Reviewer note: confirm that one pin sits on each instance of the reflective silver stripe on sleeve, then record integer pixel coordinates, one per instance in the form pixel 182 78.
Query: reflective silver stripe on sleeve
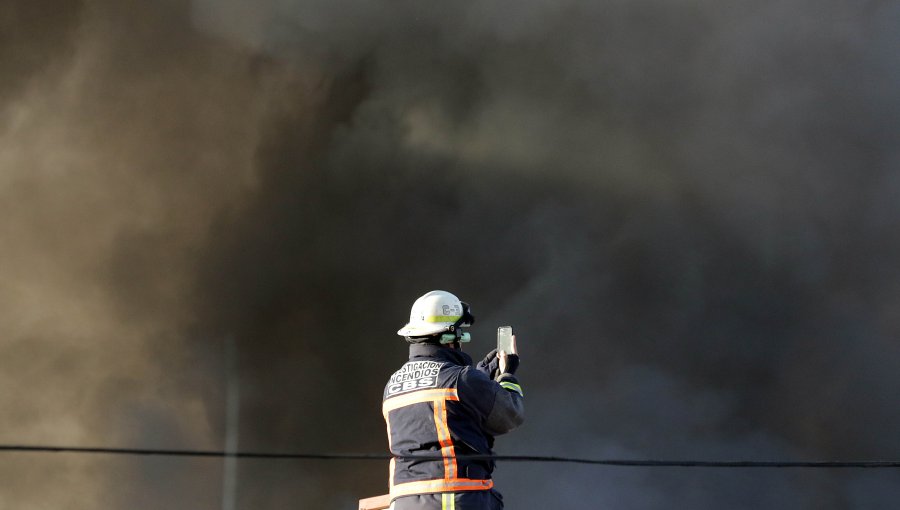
pixel 511 386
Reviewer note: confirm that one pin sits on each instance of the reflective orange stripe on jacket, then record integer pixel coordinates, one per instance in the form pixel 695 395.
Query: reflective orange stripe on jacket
pixel 440 485
pixel 418 397
pixel 438 398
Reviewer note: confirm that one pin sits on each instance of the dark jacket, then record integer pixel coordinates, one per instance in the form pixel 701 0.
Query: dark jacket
pixel 437 404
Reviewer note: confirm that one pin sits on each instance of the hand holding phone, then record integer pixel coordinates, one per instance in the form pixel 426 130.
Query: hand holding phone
pixel 506 341
pixel 506 346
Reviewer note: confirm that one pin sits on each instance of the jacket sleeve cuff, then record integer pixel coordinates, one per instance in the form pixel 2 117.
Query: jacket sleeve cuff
pixel 510 383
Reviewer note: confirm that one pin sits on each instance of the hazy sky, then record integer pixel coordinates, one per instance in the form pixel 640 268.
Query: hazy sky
pixel 689 212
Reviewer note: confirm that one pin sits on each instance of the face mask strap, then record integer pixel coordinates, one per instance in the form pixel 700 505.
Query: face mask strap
pixel 449 338
pixel 455 333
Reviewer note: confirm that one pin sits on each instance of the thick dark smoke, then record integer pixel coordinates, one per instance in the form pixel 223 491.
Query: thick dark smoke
pixel 124 131
pixel 688 212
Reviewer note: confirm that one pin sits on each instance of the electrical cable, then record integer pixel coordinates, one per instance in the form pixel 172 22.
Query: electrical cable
pixel 510 458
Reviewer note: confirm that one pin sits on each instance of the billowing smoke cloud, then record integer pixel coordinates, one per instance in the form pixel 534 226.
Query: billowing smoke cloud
pixel 685 211
pixel 123 133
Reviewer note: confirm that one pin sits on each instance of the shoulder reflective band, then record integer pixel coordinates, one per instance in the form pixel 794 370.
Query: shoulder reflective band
pixel 511 386
pixel 418 397
pixel 440 485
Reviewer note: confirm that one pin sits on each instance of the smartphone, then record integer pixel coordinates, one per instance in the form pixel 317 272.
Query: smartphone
pixel 506 342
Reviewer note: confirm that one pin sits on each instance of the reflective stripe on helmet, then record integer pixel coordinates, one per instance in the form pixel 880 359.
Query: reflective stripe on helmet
pixel 442 318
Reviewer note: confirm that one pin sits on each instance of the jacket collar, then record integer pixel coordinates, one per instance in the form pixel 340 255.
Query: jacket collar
pixel 440 353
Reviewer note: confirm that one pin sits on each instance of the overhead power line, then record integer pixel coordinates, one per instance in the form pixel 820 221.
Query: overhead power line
pixel 505 458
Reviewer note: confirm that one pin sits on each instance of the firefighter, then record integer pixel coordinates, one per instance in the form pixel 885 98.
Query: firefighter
pixel 439 405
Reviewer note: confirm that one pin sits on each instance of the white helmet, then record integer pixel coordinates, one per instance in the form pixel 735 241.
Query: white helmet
pixel 436 312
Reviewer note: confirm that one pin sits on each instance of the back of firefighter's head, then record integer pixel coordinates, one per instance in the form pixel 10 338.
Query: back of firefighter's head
pixel 438 317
